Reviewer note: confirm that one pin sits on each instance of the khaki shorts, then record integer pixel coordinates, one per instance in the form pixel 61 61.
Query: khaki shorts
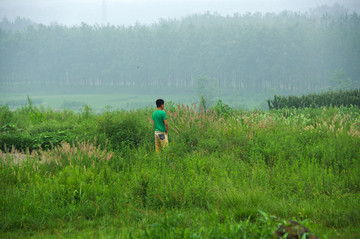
pixel 161 140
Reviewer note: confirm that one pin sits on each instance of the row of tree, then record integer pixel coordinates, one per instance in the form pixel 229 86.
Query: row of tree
pixel 325 99
pixel 285 52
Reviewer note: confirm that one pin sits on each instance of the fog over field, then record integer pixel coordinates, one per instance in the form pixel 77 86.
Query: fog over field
pixel 125 53
pixel 126 12
pixel 257 134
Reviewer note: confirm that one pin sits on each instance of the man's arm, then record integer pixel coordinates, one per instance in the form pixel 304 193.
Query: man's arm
pixel 166 126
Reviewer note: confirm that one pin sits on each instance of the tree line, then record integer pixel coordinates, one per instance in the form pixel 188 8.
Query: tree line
pixel 326 99
pixel 284 52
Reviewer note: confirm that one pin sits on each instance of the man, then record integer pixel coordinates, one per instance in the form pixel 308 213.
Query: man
pixel 161 125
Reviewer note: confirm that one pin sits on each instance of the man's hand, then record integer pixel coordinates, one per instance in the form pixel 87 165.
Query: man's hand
pixel 166 127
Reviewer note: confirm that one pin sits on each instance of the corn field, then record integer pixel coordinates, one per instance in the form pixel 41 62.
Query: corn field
pixel 327 99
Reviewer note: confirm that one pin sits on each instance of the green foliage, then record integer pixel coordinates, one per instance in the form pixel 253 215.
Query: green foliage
pixel 328 99
pixel 32 128
pixel 24 141
pixel 124 129
pixel 220 169
pixel 223 109
pixel 6 116
pixel 206 88
pixel 245 53
pixel 87 112
pixel 17 140
pixel 203 103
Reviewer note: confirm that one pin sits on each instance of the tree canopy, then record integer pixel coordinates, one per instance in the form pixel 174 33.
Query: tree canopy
pixel 285 52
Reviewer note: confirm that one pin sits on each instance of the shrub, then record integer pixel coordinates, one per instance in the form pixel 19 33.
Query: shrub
pixel 124 129
pixel 6 116
pixel 17 140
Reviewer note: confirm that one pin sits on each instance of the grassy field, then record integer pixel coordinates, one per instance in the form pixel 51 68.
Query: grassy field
pixel 226 173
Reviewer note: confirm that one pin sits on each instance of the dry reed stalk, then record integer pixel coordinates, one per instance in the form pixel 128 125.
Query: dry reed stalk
pixel 14 156
pixel 354 130
pixel 77 151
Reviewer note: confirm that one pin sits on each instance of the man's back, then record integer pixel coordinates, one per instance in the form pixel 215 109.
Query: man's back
pixel 159 116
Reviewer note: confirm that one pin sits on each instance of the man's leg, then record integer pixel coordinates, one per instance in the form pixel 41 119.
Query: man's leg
pixel 157 143
pixel 164 142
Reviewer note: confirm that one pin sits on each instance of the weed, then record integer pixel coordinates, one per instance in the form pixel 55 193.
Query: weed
pixel 221 167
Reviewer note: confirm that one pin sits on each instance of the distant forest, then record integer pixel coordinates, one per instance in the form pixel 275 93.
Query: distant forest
pixel 285 52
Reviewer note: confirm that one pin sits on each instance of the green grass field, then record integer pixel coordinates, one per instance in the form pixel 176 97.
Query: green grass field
pixel 226 173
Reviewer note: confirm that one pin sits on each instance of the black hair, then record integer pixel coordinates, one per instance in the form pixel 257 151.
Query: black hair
pixel 159 102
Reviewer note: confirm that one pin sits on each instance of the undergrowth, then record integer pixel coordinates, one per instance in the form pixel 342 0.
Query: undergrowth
pixel 225 174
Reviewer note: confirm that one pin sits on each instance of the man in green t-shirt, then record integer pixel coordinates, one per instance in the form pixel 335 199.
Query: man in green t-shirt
pixel 161 125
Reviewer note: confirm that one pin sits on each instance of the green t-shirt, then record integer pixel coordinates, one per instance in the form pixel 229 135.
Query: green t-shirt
pixel 158 117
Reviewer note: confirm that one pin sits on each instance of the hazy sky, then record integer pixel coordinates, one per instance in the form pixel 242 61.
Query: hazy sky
pixel 125 12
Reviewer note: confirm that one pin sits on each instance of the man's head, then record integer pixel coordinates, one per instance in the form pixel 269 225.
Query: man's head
pixel 160 103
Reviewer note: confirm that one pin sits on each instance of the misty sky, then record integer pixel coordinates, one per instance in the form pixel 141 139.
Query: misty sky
pixel 125 12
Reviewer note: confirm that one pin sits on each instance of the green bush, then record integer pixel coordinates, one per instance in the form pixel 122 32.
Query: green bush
pixel 124 129
pixel 24 141
pixel 18 140
pixel 6 115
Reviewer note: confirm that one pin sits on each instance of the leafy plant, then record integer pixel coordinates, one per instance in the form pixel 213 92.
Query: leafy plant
pixel 328 99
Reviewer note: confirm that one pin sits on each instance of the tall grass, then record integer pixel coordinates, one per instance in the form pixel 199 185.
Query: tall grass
pixel 220 170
